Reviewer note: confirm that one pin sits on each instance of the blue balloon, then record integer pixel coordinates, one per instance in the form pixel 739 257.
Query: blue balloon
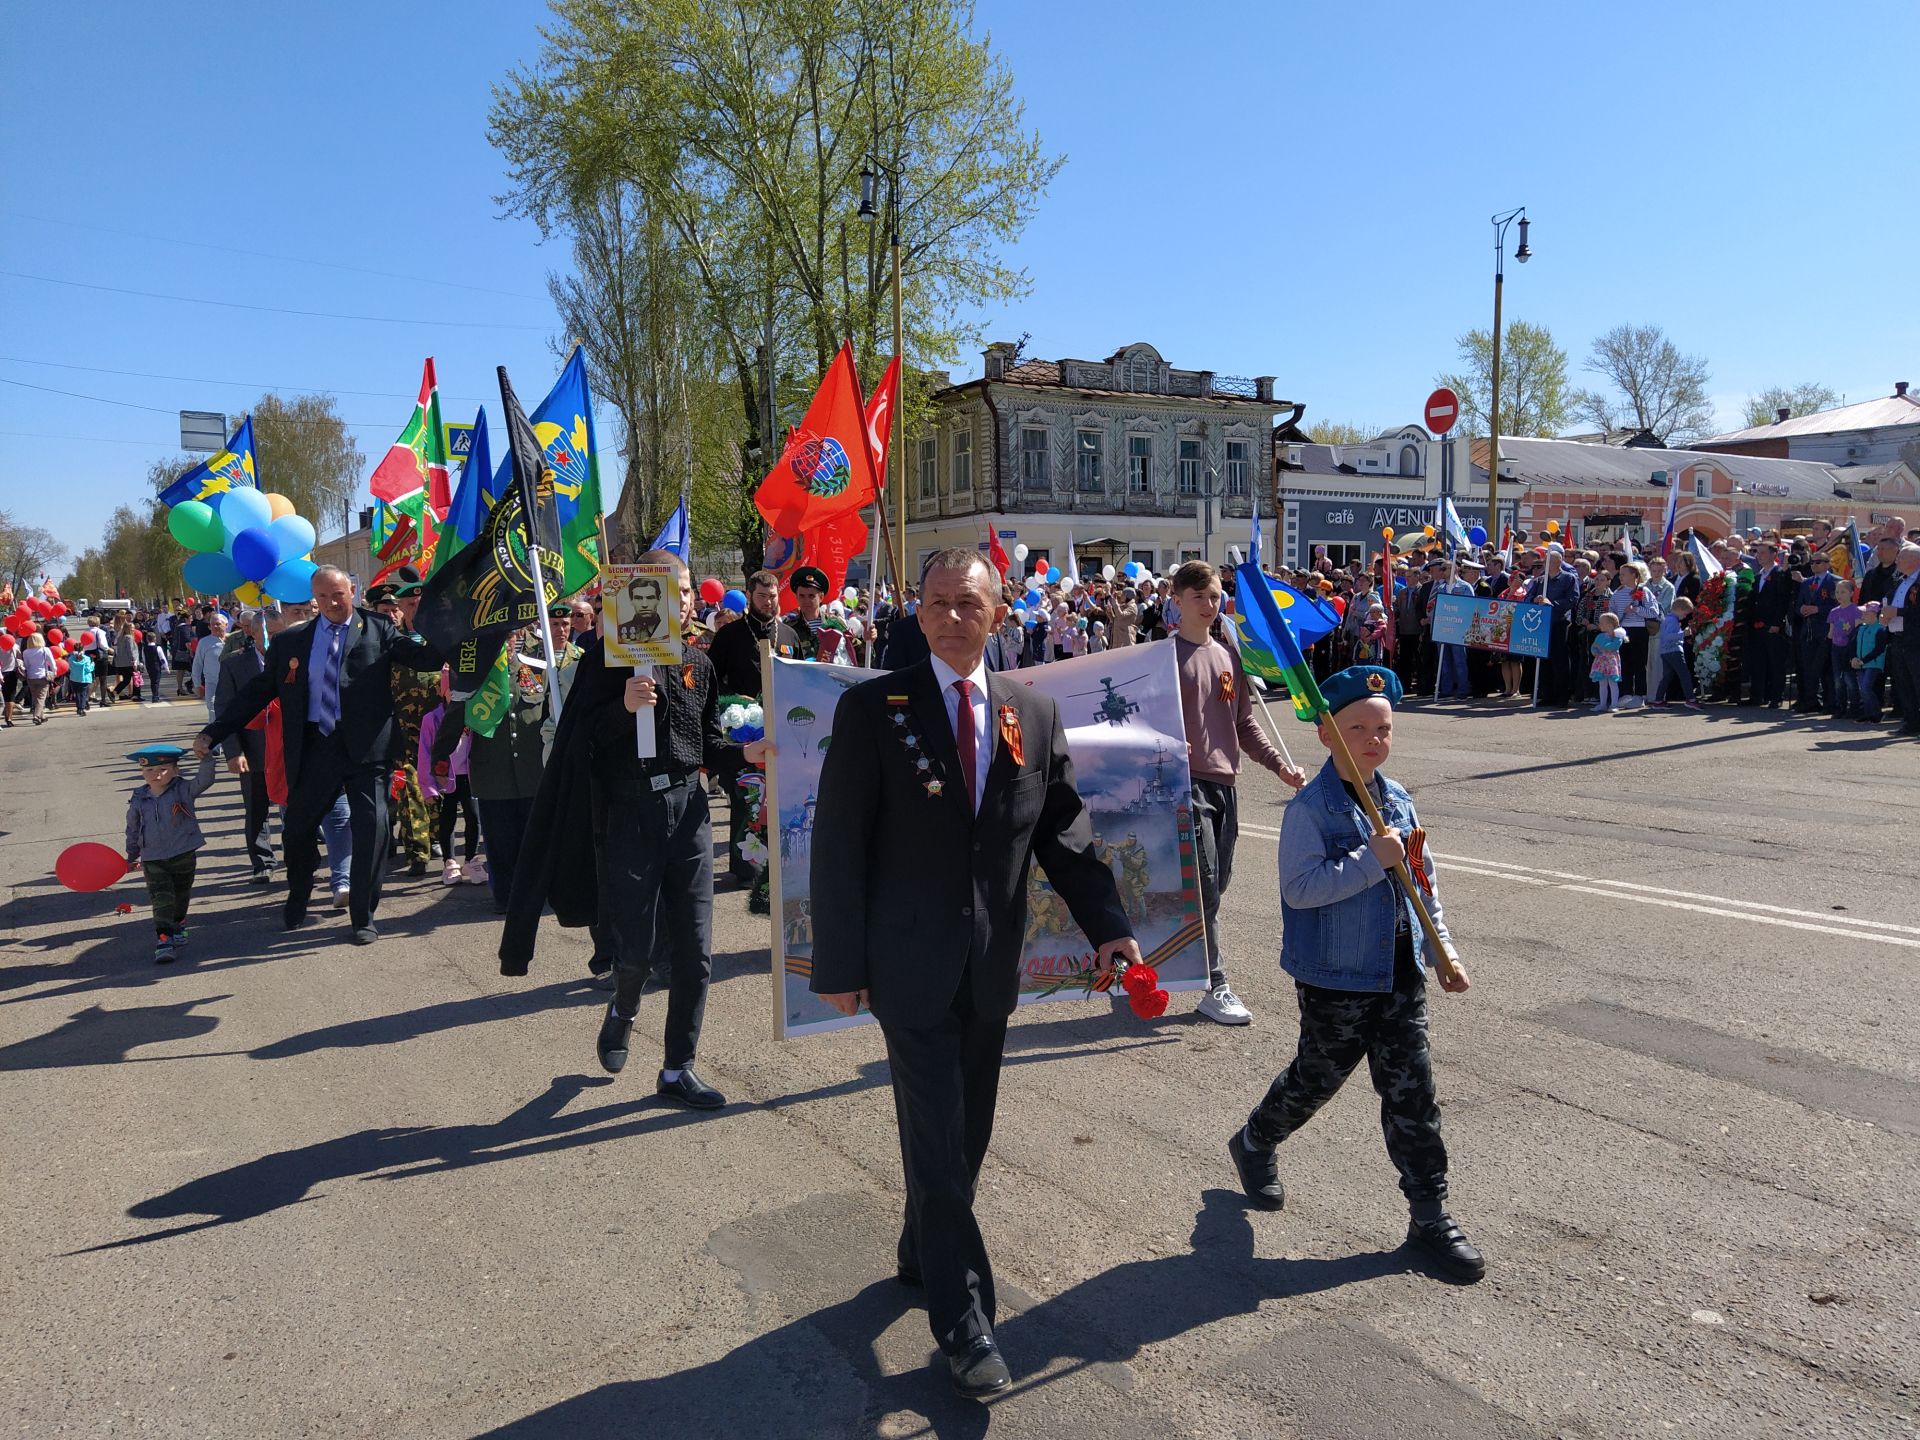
pixel 1131 569
pixel 1019 610
pixel 1028 623
pixel 292 537
pixel 210 573
pixel 254 553
pixel 1477 535
pixel 292 582
pixel 243 509
pixel 734 600
pixel 1053 574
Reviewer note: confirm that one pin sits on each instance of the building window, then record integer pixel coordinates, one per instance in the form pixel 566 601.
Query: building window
pixel 929 470
pixel 1409 460
pixel 1703 484
pixel 1342 553
pixel 1189 467
pixel 962 448
pixel 1139 464
pixel 1142 373
pixel 1087 456
pixel 1033 460
pixel 1238 466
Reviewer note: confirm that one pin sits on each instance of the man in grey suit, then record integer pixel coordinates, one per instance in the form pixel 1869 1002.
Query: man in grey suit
pixel 942 787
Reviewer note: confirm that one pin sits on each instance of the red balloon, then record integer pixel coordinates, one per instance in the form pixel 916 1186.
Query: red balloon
pixel 56 636
pixel 89 866
pixel 59 607
pixel 138 638
pixel 60 668
pixel 6 641
pixel 712 591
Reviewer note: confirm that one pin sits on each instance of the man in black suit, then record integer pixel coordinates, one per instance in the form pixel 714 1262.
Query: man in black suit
pixel 246 749
pixel 333 677
pixel 1763 642
pixel 942 786
pixel 1556 586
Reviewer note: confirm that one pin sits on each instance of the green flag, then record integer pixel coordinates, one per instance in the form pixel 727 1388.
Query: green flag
pixel 563 426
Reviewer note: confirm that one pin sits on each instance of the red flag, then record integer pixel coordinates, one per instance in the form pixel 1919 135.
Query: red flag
pixel 996 553
pixel 880 405
pixel 827 467
pixel 830 547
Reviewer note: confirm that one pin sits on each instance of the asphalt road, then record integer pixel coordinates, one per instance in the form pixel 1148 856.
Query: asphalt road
pixel 291 1187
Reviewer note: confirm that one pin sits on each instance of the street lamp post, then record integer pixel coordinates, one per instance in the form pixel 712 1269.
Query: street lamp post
pixel 1522 254
pixel 895 465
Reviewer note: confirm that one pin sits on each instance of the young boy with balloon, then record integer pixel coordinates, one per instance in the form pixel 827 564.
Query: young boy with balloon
pixel 164 839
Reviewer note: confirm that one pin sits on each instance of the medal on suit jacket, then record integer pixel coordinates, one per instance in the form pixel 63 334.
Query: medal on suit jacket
pixel 910 741
pixel 1010 739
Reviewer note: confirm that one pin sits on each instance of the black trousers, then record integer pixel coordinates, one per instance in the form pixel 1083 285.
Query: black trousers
pixel 1216 831
pixel 1903 668
pixel 1763 655
pixel 1633 661
pixel 253 790
pixel 946 1082
pixel 1816 669
pixel 1338 1029
pixel 656 872
pixel 502 824
pixel 326 771
pixel 452 808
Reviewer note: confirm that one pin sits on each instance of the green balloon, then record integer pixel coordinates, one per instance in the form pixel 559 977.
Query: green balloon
pixel 194 524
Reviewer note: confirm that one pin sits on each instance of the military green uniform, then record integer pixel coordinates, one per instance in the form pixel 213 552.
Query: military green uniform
pixel 415 694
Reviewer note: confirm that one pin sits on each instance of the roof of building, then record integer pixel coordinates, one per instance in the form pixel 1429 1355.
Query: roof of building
pixel 1867 415
pixel 1047 375
pixel 1574 465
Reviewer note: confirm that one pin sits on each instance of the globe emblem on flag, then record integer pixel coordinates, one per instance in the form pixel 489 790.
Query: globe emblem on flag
pixel 822 466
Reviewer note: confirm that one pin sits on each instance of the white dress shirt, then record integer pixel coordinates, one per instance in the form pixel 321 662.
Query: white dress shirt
pixel 945 675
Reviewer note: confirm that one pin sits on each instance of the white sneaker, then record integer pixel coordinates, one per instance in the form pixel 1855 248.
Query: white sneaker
pixel 474 872
pixel 451 874
pixel 1632 702
pixel 342 899
pixel 1221 1005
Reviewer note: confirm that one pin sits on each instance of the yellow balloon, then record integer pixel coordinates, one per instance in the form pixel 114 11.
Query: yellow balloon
pixel 1553 527
pixel 279 504
pixel 1427 530
pixel 1386 532
pixel 247 592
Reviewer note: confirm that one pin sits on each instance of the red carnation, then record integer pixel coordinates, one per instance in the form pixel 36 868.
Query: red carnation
pixel 1139 980
pixel 1150 1005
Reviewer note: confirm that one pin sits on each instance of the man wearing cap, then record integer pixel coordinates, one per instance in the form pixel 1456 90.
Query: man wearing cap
pixel 333 678
pixel 1556 586
pixel 809 586
pixel 1352 942
pixel 415 694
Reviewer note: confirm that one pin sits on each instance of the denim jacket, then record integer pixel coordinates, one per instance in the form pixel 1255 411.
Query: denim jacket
pixel 1337 902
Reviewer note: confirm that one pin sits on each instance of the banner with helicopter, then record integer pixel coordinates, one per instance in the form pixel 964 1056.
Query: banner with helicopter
pixel 1129 749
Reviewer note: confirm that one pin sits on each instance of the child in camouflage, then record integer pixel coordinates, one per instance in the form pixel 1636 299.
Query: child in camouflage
pixel 163 838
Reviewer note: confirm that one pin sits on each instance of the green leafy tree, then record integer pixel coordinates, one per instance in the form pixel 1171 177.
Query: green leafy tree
pixel 1653 386
pixel 726 142
pixel 304 451
pixel 1533 382
pixel 1343 432
pixel 1803 399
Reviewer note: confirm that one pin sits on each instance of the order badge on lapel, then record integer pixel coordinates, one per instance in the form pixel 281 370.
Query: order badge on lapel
pixel 1010 734
pixel 910 742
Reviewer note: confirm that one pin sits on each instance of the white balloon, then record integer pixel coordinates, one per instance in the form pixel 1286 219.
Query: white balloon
pixel 1106 572
pixel 1019 552
pixel 850 595
pixel 1068 584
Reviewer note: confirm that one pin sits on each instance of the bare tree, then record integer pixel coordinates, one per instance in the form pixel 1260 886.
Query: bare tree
pixel 1807 398
pixel 25 553
pixel 1343 432
pixel 1655 387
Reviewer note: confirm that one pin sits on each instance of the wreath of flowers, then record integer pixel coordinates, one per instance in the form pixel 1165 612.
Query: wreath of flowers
pixel 1713 622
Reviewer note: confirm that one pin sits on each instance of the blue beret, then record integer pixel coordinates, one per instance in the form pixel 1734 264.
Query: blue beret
pixel 1360 682
pixel 156 754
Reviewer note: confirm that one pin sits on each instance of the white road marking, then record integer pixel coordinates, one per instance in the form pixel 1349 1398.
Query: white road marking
pixel 1717 905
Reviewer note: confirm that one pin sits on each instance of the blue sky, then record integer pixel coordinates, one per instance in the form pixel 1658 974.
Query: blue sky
pixel 1299 190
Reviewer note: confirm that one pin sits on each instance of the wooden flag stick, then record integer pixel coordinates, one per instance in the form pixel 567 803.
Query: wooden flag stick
pixel 1260 694
pixel 1343 760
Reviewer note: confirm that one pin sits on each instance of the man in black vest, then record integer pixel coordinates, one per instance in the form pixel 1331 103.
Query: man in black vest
pixel 333 677
pixel 942 786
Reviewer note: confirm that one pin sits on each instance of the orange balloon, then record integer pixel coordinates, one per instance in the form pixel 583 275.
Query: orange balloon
pixel 1553 527
pixel 279 504
pixel 1427 530
pixel 1386 532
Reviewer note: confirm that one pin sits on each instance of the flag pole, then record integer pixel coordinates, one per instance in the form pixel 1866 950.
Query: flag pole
pixel 1260 694
pixel 1343 761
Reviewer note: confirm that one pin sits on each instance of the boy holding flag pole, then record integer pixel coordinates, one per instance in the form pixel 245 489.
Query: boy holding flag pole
pixel 1362 925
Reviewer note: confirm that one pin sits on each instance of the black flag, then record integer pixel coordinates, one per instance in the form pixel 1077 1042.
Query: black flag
pixel 486 592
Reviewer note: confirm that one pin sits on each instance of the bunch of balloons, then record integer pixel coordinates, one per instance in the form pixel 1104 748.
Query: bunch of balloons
pixel 246 542
pixel 32 615
pixel 715 592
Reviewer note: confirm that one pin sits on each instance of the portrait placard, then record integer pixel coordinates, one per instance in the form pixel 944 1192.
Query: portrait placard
pixel 643 614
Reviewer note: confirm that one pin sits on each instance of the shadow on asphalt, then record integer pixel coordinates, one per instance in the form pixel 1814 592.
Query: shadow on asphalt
pixel 98 1036
pixel 823 1375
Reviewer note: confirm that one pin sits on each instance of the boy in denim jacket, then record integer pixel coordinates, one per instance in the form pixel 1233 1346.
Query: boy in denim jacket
pixel 1356 952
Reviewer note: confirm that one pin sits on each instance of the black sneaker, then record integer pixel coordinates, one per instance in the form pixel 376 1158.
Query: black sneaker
pixel 612 1042
pixel 1446 1244
pixel 690 1090
pixel 1259 1172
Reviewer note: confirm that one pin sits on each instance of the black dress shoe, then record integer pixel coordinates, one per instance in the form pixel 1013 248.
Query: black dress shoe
pixel 294 913
pixel 612 1044
pixel 690 1090
pixel 365 934
pixel 1259 1172
pixel 978 1370
pixel 1447 1244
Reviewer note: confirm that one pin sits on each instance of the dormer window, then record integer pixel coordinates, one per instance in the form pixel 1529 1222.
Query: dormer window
pixel 1142 373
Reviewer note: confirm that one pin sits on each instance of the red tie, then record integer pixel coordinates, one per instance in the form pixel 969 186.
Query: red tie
pixel 963 735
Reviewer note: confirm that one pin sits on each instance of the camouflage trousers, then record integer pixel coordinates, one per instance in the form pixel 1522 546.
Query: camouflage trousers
pixel 1337 1029
pixel 415 817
